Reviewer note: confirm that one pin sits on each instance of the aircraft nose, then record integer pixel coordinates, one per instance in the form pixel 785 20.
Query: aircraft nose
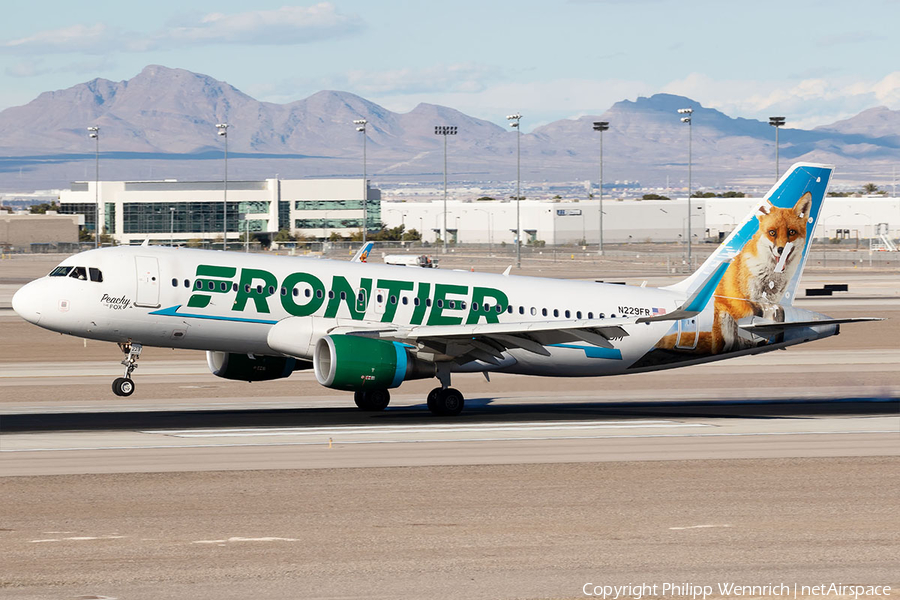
pixel 27 303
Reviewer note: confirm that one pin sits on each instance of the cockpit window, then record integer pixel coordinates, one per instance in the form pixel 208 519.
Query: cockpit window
pixel 60 271
pixel 79 273
pixel 95 274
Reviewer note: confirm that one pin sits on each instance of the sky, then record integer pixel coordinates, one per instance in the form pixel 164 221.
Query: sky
pixel 812 61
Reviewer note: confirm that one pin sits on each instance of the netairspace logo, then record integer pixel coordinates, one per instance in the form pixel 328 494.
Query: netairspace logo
pixel 725 590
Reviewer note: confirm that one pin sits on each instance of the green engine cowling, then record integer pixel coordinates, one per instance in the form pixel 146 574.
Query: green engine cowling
pixel 245 367
pixel 353 363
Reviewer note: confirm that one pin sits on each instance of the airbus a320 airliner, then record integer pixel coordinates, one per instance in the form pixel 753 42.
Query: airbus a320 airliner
pixel 367 328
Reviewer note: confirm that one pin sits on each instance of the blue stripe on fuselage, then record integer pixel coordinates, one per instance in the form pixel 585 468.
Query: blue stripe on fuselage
pixel 172 311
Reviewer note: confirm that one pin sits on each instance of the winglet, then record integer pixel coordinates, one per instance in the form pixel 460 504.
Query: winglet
pixel 363 253
pixel 506 272
pixel 697 301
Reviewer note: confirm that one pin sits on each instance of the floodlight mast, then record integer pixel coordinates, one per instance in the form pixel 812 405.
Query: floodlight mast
pixel 223 132
pixel 688 119
pixel 601 126
pixel 361 127
pixel 95 135
pixel 445 130
pixel 776 122
pixel 514 123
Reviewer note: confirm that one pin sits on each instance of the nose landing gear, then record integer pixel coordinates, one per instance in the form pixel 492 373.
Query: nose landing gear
pixel 124 386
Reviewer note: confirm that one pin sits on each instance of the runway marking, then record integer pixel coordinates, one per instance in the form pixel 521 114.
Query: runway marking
pixel 698 527
pixel 451 440
pixel 243 539
pixel 78 539
pixel 404 429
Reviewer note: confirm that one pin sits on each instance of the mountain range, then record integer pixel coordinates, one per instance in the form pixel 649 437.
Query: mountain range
pixel 161 124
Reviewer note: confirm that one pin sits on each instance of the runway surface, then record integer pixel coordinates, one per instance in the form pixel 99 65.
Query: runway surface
pixel 759 470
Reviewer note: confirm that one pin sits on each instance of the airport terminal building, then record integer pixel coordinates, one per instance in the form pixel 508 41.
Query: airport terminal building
pixel 185 211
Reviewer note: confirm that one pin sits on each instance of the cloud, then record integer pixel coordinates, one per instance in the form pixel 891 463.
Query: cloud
pixel 283 26
pixel 288 25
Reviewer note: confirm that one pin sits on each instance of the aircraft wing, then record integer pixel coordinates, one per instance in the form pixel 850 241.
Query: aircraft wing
pixel 488 341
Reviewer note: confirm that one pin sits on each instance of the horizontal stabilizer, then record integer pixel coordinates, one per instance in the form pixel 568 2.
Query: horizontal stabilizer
pixel 766 328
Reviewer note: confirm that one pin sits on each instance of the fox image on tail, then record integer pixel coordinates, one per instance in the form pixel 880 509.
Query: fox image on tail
pixel 757 278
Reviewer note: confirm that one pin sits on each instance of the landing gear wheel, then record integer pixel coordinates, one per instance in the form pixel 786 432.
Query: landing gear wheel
pixel 122 386
pixel 432 399
pixel 372 400
pixel 447 402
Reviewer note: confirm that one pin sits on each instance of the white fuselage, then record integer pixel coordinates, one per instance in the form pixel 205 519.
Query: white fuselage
pixel 228 302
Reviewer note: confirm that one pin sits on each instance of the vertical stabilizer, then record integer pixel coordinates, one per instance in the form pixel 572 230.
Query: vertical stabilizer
pixel 766 252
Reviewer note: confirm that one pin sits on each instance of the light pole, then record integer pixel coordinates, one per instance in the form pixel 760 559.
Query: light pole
pixel 514 123
pixel 776 122
pixel 223 131
pixel 361 127
pixel 95 134
pixel 445 130
pixel 688 119
pixel 601 126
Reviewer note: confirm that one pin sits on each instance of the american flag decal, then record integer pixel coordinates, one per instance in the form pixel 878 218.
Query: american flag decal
pixel 659 311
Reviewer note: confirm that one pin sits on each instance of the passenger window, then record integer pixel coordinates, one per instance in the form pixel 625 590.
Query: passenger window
pixel 544 312
pixel 393 299
pixel 343 295
pixel 307 292
pixel 259 289
pixel 379 298
pixel 405 300
pixel 211 285
pixel 475 306
pixel 499 309
pixel 509 309
pixel 174 283
pixel 568 314
pixel 223 286
pixel 319 293
pixel 601 316
pixel 590 315
pixel 612 316
pixel 415 301
pixel 283 291
pixel 198 284
pixel 555 312
pixel 60 271
pixel 533 311
pixel 79 273
pixel 440 304
pixel 428 302
pixel 234 287
pixel 187 283
pixel 295 292
pixel 331 294
pixel 521 310
pixel 578 315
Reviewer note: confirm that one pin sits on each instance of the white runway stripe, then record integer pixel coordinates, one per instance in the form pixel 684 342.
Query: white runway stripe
pixel 453 440
pixel 408 429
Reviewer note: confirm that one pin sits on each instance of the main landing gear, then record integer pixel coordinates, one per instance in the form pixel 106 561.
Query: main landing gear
pixel 445 402
pixel 372 400
pixel 124 386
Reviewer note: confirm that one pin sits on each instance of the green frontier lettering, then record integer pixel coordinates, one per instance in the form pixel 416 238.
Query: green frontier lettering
pixel 248 291
pixel 491 312
pixel 220 285
pixel 316 298
pixel 341 287
pixel 422 298
pixel 436 316
pixel 393 290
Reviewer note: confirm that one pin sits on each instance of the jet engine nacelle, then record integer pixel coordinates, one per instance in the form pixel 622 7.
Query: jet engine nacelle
pixel 353 363
pixel 247 367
